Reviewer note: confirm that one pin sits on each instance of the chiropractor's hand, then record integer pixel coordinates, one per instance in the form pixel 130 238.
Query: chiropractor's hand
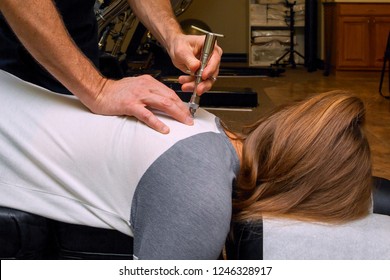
pixel 135 96
pixel 185 51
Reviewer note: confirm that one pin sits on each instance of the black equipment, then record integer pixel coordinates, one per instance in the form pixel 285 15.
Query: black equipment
pixel 291 51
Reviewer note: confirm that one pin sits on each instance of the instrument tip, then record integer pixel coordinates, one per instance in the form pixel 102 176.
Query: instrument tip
pixel 192 111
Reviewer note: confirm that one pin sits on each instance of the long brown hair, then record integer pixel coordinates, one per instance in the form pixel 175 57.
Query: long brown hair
pixel 308 161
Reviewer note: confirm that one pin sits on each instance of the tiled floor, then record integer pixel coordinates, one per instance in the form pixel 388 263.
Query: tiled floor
pixel 295 84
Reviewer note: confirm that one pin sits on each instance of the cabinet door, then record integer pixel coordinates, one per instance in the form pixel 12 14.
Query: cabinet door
pixel 354 42
pixel 381 29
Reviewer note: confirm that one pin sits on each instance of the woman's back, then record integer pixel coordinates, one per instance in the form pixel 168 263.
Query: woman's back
pixel 61 161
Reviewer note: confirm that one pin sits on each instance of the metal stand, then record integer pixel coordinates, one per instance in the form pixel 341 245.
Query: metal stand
pixel 291 51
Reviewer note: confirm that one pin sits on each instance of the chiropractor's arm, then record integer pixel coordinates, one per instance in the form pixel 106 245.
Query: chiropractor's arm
pixel 44 35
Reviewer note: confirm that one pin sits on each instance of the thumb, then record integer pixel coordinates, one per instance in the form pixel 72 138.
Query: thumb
pixel 192 64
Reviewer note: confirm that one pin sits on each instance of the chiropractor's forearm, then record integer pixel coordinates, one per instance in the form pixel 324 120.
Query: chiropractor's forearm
pixel 41 30
pixel 158 17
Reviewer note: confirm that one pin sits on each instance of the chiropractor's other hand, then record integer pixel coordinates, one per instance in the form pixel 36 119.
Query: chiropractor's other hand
pixel 185 51
pixel 135 96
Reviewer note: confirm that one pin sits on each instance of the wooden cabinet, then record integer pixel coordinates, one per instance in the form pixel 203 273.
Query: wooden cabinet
pixel 356 35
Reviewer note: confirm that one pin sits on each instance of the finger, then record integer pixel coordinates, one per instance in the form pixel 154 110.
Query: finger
pixel 204 86
pixel 188 84
pixel 186 79
pixel 171 95
pixel 165 95
pixel 165 99
pixel 192 65
pixel 177 110
pixel 212 67
pixel 191 79
pixel 189 63
pixel 213 79
pixel 150 119
pixel 188 87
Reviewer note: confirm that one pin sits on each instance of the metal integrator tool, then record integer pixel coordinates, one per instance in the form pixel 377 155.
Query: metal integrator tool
pixel 207 51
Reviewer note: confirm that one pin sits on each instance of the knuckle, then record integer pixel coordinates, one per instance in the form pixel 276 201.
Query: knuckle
pixel 146 116
pixel 167 102
pixel 152 121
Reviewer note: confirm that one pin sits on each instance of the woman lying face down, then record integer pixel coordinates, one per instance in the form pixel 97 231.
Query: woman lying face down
pixel 304 189
pixel 308 161
pixel 173 193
